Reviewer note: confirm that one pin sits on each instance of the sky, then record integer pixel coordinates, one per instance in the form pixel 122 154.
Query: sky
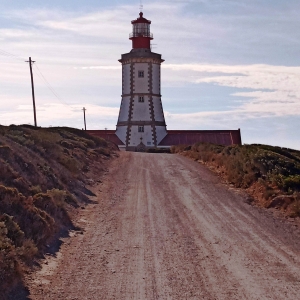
pixel 229 64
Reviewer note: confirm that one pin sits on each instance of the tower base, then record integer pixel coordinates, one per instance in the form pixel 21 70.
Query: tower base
pixel 177 137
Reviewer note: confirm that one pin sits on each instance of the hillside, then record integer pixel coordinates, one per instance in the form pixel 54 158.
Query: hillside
pixel 271 175
pixel 43 180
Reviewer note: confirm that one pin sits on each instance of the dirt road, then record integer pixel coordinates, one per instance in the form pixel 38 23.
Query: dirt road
pixel 165 227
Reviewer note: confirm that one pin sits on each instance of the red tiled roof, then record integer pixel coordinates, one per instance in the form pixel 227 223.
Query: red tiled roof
pixel 189 137
pixel 109 135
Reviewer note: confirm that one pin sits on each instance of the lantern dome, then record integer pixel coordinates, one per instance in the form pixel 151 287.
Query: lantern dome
pixel 141 35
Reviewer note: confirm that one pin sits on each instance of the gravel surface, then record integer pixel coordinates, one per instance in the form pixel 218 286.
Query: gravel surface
pixel 165 227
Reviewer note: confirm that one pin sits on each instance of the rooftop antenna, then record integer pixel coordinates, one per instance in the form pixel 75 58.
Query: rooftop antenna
pixel 141 6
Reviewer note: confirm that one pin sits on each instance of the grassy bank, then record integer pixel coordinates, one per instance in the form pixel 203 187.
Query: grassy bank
pixel 270 174
pixel 43 178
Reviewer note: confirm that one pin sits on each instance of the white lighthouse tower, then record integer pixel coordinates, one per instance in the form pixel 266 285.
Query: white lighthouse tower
pixel 141 123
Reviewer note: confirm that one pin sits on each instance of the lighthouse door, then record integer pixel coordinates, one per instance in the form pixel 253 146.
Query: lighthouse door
pixel 141 148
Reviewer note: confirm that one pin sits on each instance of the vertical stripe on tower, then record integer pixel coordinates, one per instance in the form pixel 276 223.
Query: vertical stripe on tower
pixel 151 104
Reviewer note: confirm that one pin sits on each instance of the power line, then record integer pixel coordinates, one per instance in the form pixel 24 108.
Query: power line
pixel 49 86
pixel 8 54
pixel 40 74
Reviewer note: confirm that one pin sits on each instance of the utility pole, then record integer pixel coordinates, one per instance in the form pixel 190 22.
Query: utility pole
pixel 84 109
pixel 32 89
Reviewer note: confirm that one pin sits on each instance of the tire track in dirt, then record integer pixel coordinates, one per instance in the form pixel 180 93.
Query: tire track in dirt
pixel 164 227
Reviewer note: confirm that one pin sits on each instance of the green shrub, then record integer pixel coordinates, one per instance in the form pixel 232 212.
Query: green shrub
pixel 9 264
pixel 35 223
pixel 14 233
pixel 70 164
pixel 276 167
pixel 292 182
pixel 27 251
pixel 35 190
pixel 103 151
pixel 32 161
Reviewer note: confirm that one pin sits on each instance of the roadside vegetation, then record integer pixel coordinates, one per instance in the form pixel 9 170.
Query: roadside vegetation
pixel 44 174
pixel 271 175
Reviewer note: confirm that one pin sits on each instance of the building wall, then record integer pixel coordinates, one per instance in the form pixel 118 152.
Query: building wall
pixel 140 85
pixel 124 109
pixel 141 111
pixel 126 78
pixel 156 79
pixel 190 137
pixel 109 135
pixel 121 133
pixel 161 132
pixel 135 136
pixel 158 110
pixel 176 137
pixel 134 113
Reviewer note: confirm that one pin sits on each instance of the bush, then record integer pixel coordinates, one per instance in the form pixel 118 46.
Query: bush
pixel 276 169
pixel 54 204
pixel 292 183
pixel 102 151
pixel 36 224
pixel 70 164
pixel 9 263
pixel 38 180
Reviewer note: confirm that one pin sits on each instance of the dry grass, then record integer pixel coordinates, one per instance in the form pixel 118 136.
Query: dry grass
pixel 42 178
pixel 265 171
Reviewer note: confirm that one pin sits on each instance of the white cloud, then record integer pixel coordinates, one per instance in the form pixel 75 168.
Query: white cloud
pixel 101 68
pixel 56 114
pixel 275 90
pixel 15 33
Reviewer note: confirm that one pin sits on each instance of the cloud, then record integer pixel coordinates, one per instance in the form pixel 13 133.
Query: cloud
pixel 15 33
pixel 101 68
pixel 56 114
pixel 273 90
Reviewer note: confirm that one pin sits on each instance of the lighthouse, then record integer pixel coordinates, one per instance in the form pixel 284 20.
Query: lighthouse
pixel 141 123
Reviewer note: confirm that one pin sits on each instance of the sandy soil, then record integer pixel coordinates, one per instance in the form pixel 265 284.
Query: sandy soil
pixel 165 227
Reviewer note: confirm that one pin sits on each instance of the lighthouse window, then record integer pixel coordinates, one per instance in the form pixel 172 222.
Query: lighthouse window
pixel 141 29
pixel 141 129
pixel 141 98
pixel 141 74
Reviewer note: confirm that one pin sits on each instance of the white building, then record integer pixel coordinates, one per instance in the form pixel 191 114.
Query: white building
pixel 141 123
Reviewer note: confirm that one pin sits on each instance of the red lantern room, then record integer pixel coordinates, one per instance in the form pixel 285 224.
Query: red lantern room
pixel 141 35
